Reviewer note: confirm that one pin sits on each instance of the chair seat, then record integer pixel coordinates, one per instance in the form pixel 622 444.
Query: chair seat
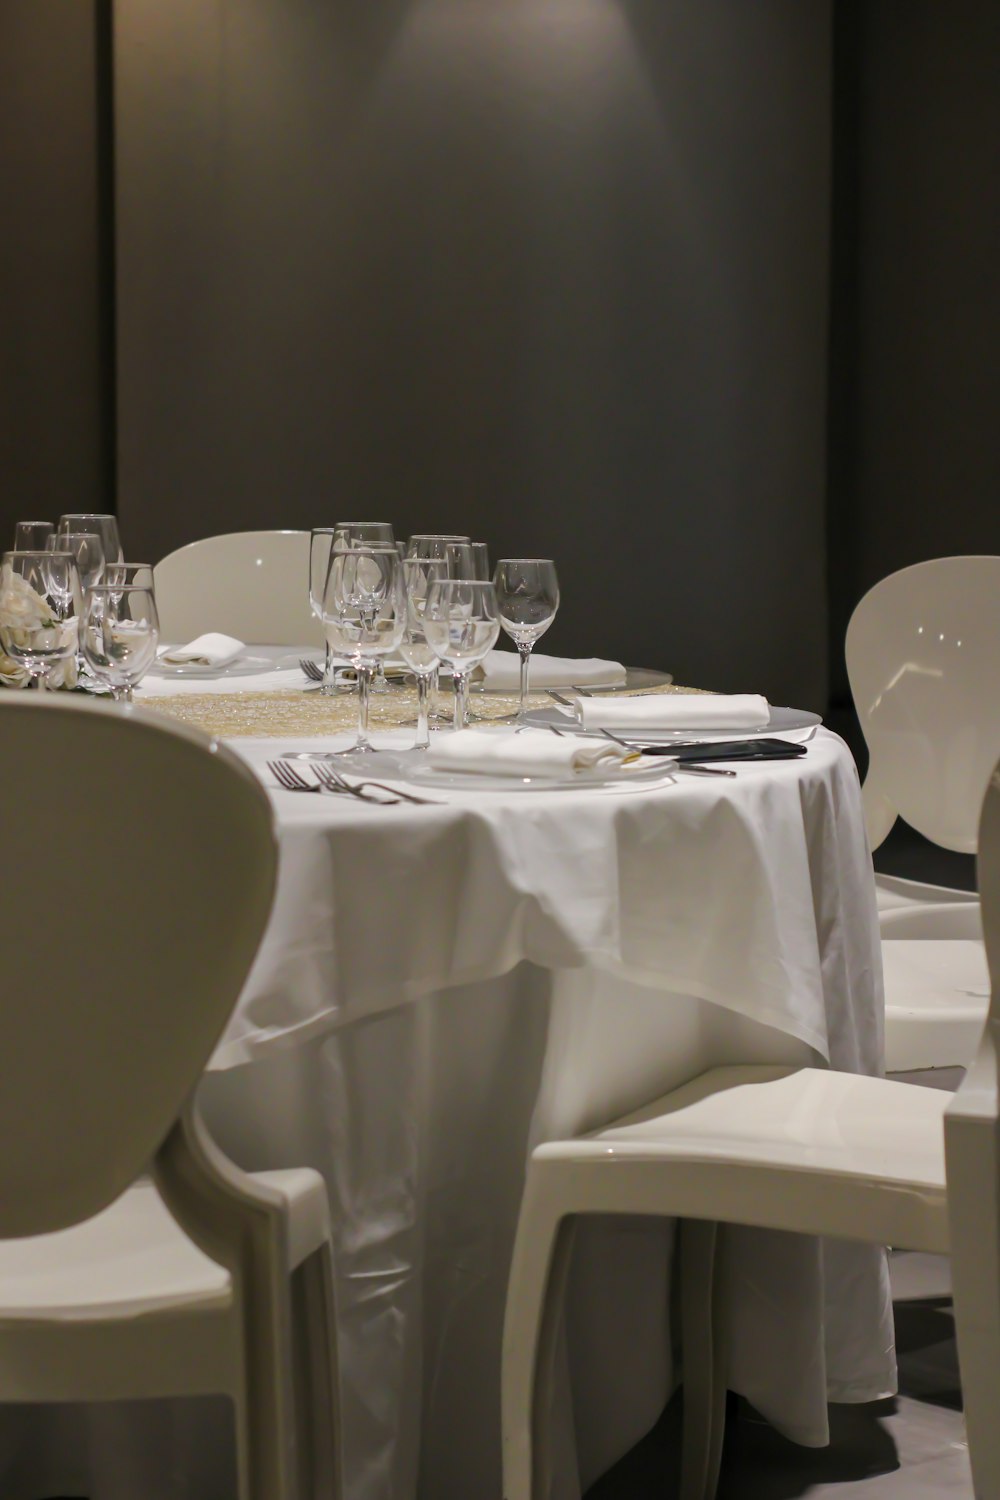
pixel 835 1132
pixel 936 1000
pixel 892 893
pixel 133 1259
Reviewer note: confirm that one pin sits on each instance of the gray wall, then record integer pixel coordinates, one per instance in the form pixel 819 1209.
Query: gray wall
pixel 55 397
pixel 552 271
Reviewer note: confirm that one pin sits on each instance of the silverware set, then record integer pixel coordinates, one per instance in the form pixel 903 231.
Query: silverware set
pixel 331 781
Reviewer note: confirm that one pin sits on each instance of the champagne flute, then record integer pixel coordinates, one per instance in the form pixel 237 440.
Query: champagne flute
pixel 40 602
pixel 528 597
pixel 364 612
pixel 121 629
pixel 468 560
pixel 418 575
pixel 461 622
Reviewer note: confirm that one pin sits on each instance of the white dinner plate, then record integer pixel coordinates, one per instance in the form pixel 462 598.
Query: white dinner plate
pixel 782 721
pixel 411 766
pixel 243 666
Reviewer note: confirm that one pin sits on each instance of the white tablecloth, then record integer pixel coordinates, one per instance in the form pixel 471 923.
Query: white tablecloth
pixel 441 987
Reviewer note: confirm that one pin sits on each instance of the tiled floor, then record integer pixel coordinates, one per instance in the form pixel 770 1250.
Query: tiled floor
pixel 911 1448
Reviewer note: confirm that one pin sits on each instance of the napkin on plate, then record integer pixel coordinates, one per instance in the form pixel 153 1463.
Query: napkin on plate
pixel 212 650
pixel 533 752
pixel 502 672
pixel 667 711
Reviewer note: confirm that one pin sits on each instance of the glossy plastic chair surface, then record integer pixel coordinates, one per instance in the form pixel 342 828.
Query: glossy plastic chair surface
pixel 253 585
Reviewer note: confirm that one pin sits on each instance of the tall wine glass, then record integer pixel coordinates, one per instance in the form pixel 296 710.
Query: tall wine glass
pixel 431 544
pixel 364 534
pixel 105 526
pixel 468 560
pixel 133 574
pixel 121 629
pixel 364 612
pixel 415 649
pixel 462 622
pixel 528 597
pixel 86 547
pixel 40 603
pixel 31 536
pixel 321 544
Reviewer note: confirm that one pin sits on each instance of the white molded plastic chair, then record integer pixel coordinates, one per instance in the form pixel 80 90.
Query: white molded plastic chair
pixel 133 907
pixel 923 656
pixel 804 1150
pixel 253 585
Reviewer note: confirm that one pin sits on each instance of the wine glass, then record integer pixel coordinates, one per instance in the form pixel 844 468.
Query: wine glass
pixel 528 597
pixel 40 603
pixel 129 574
pixel 86 547
pixel 364 612
pixel 462 622
pixel 31 536
pixel 321 544
pixel 431 544
pixel 104 526
pixel 121 630
pixel 468 560
pixel 415 649
pixel 363 534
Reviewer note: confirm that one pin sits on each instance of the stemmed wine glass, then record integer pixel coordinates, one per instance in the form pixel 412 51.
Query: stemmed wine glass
pixel 31 536
pixel 321 545
pixel 430 544
pixel 40 603
pixel 468 560
pixel 104 526
pixel 121 629
pixel 363 534
pixel 418 575
pixel 528 597
pixel 364 611
pixel 86 547
pixel 461 622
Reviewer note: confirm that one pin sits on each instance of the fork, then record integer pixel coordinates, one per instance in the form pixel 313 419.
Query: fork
pixel 311 669
pixel 293 781
pixel 289 778
pixel 334 782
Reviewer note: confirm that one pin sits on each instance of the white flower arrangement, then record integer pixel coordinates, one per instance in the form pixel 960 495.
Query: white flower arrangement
pixel 23 613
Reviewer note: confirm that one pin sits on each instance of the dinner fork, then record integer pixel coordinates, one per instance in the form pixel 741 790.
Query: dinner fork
pixel 334 782
pixel 293 781
pixel 289 778
pixel 311 669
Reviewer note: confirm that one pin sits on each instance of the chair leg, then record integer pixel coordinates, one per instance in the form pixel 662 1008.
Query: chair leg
pixel 531 1329
pixel 323 1424
pixel 704 1355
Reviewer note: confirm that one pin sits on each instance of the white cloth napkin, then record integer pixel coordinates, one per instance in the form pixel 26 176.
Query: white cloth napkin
pixel 667 711
pixel 212 650
pixel 502 671
pixel 533 752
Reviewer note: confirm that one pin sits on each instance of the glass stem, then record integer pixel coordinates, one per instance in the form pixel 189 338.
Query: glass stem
pixel 329 686
pixel 524 652
pixel 423 739
pixel 365 674
pixel 461 699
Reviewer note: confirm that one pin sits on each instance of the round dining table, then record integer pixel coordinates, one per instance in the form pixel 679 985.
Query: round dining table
pixel 445 984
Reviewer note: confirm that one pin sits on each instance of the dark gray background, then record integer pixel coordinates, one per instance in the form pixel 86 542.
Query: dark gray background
pixel 698 298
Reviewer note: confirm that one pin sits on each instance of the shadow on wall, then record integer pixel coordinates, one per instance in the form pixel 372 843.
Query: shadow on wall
pixel 548 271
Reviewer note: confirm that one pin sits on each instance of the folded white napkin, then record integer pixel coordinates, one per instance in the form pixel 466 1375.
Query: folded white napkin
pixel 502 671
pixel 533 752
pixel 212 650
pixel 668 711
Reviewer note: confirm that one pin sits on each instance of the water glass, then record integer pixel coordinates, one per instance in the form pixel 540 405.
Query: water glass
pixel 121 630
pixel 364 613
pixel 40 603
pixel 469 560
pixel 415 649
pixel 31 536
pixel 528 598
pixel 462 622
pixel 321 544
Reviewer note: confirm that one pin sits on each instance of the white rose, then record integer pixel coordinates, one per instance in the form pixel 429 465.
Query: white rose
pixel 12 674
pixel 20 607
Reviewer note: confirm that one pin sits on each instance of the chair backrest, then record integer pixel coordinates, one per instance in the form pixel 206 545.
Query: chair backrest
pixel 139 865
pixel 923 656
pixel 972 1155
pixel 250 584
